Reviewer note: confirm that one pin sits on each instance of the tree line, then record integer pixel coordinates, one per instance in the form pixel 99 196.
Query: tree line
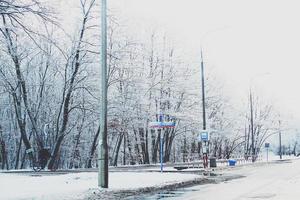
pixel 49 87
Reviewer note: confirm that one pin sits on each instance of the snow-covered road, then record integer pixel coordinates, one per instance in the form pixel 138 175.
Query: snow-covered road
pixel 280 181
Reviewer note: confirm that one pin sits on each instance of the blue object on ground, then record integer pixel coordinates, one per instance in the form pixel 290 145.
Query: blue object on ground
pixel 232 162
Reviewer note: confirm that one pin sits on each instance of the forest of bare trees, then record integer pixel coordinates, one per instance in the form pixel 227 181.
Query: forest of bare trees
pixel 50 87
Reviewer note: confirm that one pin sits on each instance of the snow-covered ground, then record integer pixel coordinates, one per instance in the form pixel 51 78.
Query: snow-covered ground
pixel 279 181
pixel 263 181
pixel 76 185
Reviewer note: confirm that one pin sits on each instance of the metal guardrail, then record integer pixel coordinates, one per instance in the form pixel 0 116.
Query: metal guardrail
pixel 190 164
pixel 220 162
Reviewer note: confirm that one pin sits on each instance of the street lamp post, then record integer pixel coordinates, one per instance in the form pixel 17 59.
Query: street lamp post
pixel 280 149
pixel 103 150
pixel 203 93
pixel 205 153
pixel 206 143
pixel 252 126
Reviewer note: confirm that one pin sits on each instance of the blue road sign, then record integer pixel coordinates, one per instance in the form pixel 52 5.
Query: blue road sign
pixel 162 124
pixel 204 136
pixel 267 145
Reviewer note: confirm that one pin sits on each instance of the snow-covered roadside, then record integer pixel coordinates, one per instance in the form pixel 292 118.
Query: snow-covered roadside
pixel 79 185
pixel 16 186
pixel 276 181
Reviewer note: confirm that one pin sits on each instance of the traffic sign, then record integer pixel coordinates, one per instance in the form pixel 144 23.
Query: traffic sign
pixel 267 145
pixel 168 124
pixel 162 124
pixel 204 136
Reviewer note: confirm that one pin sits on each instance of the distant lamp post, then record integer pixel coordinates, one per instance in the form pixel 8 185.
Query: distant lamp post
pixel 206 142
pixel 205 150
pixel 252 126
pixel 203 92
pixel 280 147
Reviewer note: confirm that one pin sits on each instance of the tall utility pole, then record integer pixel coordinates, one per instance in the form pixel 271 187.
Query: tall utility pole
pixel 252 126
pixel 206 143
pixel 124 149
pixel 280 149
pixel 203 93
pixel 103 150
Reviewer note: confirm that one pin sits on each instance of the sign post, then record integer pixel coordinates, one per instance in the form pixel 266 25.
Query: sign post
pixel 267 145
pixel 161 151
pixel 204 137
pixel 161 124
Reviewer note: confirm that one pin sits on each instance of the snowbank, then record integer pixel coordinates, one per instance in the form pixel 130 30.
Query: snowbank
pixel 76 185
pixel 276 181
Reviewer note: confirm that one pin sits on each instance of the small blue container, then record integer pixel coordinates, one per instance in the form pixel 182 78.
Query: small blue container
pixel 231 162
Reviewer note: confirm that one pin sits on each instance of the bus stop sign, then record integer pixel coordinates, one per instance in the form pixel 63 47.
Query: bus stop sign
pixel 204 136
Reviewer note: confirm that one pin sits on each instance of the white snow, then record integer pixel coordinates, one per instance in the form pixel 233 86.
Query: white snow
pixel 131 180
pixel 271 181
pixel 274 181
pixel 75 185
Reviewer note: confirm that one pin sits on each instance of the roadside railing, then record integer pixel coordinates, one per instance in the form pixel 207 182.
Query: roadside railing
pixel 220 162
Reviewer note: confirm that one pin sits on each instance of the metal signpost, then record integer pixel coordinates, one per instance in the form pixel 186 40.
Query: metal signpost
pixel 204 137
pixel 161 151
pixel 161 124
pixel 267 145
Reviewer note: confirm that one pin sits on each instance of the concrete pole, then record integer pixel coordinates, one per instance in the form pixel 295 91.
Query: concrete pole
pixel 205 155
pixel 203 93
pixel 252 126
pixel 103 150
pixel 124 149
pixel 280 148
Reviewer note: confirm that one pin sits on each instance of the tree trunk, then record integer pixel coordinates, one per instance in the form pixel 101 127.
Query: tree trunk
pixel 147 160
pixel 54 156
pixel 130 150
pixel 119 142
pixel 184 151
pixel 155 146
pixel 18 154
pixel 3 154
pixel 136 148
pixel 168 144
pixel 93 148
pixel 144 145
pixel 68 97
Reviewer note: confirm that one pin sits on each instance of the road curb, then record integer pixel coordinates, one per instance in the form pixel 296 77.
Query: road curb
pixel 148 191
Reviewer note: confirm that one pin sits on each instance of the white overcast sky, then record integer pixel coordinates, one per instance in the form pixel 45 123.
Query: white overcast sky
pixel 253 42
pixel 247 42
